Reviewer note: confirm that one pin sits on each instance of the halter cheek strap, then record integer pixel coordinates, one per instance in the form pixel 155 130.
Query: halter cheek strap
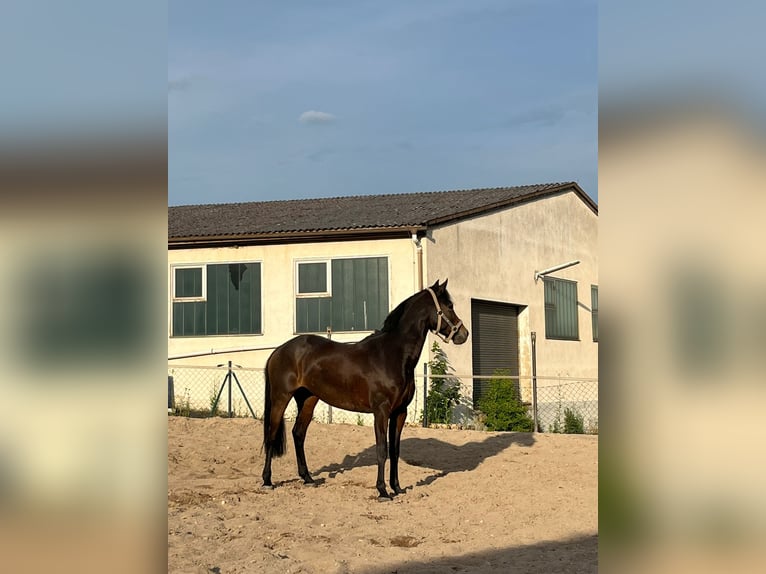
pixel 439 316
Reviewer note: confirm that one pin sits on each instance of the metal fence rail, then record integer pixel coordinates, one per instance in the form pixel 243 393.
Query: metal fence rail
pixel 556 404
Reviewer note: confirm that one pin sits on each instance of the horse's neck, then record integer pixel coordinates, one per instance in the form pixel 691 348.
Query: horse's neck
pixel 413 337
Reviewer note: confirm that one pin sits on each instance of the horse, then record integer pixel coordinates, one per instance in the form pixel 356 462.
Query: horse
pixel 375 375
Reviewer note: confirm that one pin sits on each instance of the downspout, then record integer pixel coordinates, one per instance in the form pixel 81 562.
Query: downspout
pixel 419 266
pixel 418 259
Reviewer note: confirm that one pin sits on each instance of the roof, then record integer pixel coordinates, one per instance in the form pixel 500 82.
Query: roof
pixel 354 215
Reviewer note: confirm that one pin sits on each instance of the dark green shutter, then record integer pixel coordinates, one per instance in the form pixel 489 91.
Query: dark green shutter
pixel 494 340
pixel 360 293
pixel 188 282
pixel 560 309
pixel 359 299
pixel 313 314
pixel 232 306
pixel 594 310
pixel 312 277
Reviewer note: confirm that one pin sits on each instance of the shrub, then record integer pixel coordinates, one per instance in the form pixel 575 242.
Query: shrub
pixel 183 407
pixel 443 393
pixel 214 405
pixel 573 422
pixel 502 405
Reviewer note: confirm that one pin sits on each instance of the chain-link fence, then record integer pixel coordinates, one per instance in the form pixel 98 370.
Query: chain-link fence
pixel 236 391
pixel 545 404
pixel 567 405
pixel 502 402
pixel 212 391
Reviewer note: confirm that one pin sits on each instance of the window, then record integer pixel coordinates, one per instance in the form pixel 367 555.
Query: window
pixel 313 278
pixel 217 299
pixel 343 294
pixel 560 309
pixel 188 283
pixel 594 310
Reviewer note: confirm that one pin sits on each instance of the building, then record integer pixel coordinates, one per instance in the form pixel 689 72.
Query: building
pixel 253 275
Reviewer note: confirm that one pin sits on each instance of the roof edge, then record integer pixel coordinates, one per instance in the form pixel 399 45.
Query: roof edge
pixel 367 233
pixel 512 201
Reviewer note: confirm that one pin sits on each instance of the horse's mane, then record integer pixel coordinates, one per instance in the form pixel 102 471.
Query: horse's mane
pixel 394 317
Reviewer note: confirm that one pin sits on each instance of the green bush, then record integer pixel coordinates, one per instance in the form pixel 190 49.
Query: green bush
pixel 502 405
pixel 573 422
pixel 443 393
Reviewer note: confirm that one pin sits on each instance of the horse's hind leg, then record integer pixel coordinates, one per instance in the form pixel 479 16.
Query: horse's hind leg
pixel 396 424
pixel 274 445
pixel 306 404
pixel 381 426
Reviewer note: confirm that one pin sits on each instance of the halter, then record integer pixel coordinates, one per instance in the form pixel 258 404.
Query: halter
pixel 439 316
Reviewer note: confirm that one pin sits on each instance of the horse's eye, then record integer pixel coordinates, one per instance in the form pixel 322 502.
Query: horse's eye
pixel 450 306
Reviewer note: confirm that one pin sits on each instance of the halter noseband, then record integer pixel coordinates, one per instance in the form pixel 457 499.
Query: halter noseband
pixel 439 316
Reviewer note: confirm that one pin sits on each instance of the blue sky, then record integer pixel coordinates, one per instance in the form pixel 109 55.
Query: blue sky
pixel 274 100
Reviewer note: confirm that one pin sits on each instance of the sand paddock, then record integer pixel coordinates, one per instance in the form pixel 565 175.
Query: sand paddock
pixel 475 502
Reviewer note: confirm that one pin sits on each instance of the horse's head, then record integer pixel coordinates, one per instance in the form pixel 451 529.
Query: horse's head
pixel 446 324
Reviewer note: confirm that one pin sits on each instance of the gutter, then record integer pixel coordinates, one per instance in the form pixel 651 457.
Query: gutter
pixel 418 259
pixel 289 237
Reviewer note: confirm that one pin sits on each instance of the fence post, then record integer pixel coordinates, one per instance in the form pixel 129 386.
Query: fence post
pixel 228 376
pixel 214 406
pixel 241 390
pixel 171 394
pixel 329 406
pixel 425 395
pixel 535 421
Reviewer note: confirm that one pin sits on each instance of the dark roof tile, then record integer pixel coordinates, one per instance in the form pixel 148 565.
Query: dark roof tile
pixel 348 213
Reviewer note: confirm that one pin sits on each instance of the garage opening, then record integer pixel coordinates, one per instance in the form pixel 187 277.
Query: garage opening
pixel 495 336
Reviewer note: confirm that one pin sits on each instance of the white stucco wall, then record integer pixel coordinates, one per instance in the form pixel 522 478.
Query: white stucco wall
pixel 278 290
pixel 278 306
pixel 494 257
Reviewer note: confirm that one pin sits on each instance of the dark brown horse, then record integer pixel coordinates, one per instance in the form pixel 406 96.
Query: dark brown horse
pixel 375 375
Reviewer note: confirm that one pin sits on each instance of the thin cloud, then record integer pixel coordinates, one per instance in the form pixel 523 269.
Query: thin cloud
pixel 315 117
pixel 180 84
pixel 554 112
pixel 546 115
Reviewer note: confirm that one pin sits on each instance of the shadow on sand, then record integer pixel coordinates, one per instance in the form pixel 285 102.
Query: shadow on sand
pixel 578 554
pixel 443 457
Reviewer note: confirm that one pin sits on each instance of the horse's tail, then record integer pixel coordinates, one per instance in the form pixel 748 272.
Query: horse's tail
pixel 276 446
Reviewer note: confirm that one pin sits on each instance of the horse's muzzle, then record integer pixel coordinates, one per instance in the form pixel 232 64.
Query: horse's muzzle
pixel 461 336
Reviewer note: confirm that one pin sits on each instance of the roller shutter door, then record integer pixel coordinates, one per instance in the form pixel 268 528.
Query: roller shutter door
pixel 495 336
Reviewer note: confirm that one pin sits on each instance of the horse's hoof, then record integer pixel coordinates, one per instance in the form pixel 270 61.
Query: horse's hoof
pixel 382 498
pixel 309 483
pixel 267 487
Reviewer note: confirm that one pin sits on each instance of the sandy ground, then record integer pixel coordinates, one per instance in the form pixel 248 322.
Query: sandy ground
pixel 475 502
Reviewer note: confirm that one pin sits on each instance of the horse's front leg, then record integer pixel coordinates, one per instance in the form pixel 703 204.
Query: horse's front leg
pixel 381 424
pixel 302 421
pixel 396 424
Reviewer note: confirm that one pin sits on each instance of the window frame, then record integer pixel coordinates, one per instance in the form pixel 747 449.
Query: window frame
pixel 177 267
pixel 203 299
pixel 558 337
pixel 313 294
pixel 329 293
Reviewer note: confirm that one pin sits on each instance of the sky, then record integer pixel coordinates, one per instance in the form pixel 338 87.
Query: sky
pixel 287 100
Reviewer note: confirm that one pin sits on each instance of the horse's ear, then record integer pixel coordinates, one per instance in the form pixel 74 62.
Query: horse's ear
pixel 444 285
pixel 435 286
